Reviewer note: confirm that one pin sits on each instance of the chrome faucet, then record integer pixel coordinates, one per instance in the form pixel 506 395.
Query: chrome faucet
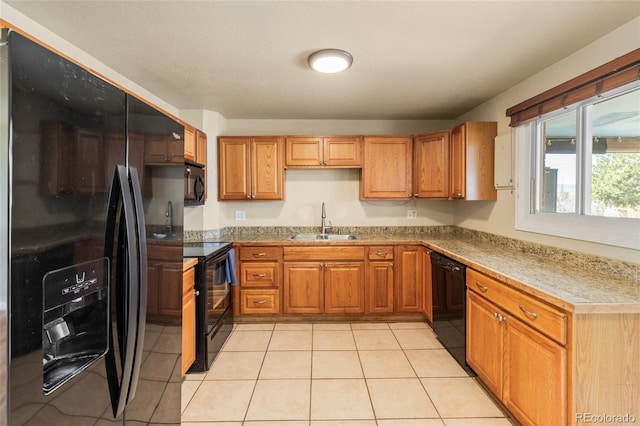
pixel 324 218
pixel 169 216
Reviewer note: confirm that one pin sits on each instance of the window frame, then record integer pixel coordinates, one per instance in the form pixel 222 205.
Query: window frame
pixel 620 232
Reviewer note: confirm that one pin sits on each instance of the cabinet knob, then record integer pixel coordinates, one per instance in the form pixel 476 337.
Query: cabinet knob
pixel 248 197
pixel 391 264
pixel 158 264
pixel 196 292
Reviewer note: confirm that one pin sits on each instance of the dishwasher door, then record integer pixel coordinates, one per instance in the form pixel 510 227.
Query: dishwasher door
pixel 449 306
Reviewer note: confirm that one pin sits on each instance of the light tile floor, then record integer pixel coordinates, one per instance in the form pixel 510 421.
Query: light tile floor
pixel 330 374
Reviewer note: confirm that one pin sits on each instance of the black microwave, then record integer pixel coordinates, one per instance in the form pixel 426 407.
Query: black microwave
pixel 194 185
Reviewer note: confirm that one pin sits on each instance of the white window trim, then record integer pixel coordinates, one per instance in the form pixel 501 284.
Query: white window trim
pixel 620 232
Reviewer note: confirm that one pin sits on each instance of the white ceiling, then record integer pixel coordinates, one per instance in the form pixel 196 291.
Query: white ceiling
pixel 247 59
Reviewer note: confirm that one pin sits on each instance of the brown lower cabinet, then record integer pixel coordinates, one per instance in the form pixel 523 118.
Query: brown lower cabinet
pixel 188 315
pixel 325 279
pixel 409 283
pixel 164 277
pixel 512 352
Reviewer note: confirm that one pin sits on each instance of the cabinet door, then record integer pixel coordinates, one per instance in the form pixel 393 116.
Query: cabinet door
pixel 303 289
pixel 458 162
pixel 343 151
pixel 485 342
pixel 409 279
pixel 267 168
pixel 188 319
pixel 201 149
pixel 190 144
pixel 175 149
pixel 427 287
pixel 303 151
pixel 535 387
pixel 233 168
pixel 344 288
pixel 170 290
pixel 89 162
pixel 380 287
pixel 431 166
pixel 386 170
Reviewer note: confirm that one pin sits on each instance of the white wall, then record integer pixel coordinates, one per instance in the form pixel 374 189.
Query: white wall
pixel 499 217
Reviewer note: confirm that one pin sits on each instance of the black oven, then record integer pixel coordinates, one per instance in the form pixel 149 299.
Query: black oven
pixel 214 299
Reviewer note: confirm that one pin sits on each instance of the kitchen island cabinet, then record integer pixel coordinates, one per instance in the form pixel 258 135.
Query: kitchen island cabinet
pixel 250 168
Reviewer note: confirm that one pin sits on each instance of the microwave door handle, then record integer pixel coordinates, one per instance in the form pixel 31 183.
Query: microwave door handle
pixel 141 282
pixel 198 182
pixel 120 202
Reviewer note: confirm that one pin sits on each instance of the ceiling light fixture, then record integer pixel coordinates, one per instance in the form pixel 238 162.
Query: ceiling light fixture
pixel 330 60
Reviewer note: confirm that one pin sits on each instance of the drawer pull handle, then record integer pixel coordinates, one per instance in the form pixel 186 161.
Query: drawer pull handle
pixel 259 275
pixel 482 288
pixel 261 254
pixel 382 253
pixel 530 314
pixel 259 302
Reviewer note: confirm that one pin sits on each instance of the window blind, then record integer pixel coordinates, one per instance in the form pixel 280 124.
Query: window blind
pixel 617 73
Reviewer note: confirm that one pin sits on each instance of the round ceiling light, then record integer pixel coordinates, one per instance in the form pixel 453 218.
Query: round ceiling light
pixel 330 60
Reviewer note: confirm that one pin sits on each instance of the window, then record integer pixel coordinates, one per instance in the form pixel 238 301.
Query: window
pixel 579 170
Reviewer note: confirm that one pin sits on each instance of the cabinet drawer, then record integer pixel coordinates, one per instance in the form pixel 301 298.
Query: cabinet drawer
pixel 380 252
pixel 537 314
pixel 260 253
pixel 259 301
pixel 324 253
pixel 259 274
pixel 164 252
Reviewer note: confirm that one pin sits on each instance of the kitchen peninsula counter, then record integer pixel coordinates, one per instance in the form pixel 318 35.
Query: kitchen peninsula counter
pixel 573 281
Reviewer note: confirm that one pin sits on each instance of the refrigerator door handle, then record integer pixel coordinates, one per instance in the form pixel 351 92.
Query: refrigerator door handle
pixel 121 211
pixel 141 257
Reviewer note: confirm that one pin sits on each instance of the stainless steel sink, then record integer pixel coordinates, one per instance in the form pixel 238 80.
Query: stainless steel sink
pixel 326 237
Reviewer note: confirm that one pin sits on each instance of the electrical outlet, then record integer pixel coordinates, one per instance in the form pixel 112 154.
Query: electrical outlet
pixel 241 215
pixel 412 214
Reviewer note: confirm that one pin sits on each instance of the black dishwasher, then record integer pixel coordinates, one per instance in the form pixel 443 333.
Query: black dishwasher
pixel 449 306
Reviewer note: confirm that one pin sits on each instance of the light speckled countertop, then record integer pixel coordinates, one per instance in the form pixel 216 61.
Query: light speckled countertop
pixel 572 281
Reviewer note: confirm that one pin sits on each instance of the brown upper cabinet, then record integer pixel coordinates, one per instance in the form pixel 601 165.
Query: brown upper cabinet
pixel 472 161
pixel 201 148
pixel 195 146
pixel 250 168
pixel 444 165
pixel 323 151
pixel 387 167
pixel 189 144
pixel 431 165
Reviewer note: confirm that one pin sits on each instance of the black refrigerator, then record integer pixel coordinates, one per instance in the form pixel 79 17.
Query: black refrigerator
pixel 77 205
